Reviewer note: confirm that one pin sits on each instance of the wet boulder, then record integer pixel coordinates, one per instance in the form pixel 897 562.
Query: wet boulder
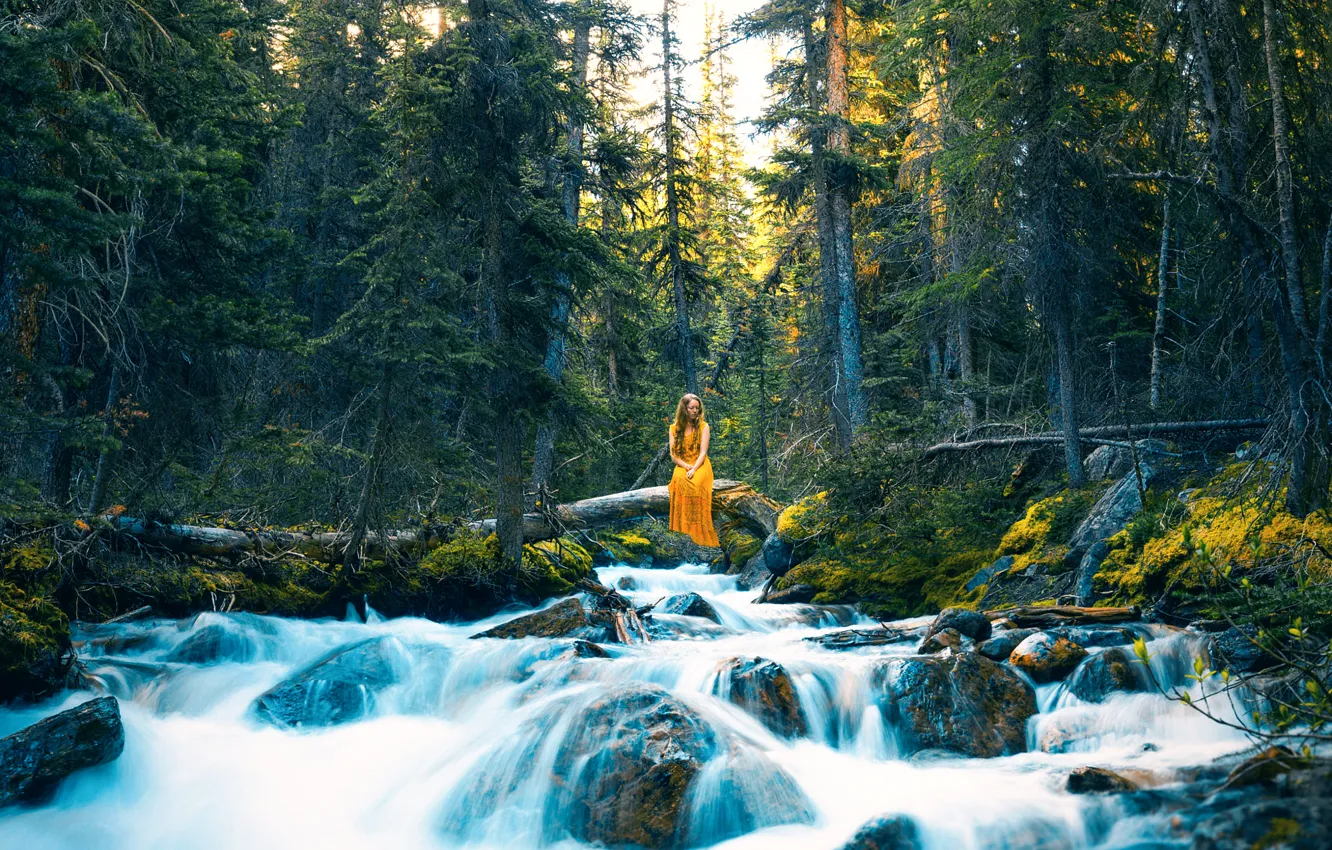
pixel 1264 768
pixel 690 605
pixel 962 703
pixel 764 689
pixel 999 647
pixel 1046 658
pixel 338 688
pixel 559 620
pixel 627 583
pixel 1097 780
pixel 34 760
pixel 1237 649
pixel 632 759
pixel 897 832
pixel 778 555
pixel 1293 812
pixel 970 623
pixel 939 641
pixel 796 594
pixel 1106 673
pixel 1095 636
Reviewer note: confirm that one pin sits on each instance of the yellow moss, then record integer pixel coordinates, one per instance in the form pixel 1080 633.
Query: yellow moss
pixel 625 545
pixel 1230 522
pixel 804 520
pixel 739 542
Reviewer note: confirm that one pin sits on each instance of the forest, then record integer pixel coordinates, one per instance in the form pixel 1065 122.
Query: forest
pixel 349 285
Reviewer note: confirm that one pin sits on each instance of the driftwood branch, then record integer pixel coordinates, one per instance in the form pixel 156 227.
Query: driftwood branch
pixel 732 498
pixel 1103 432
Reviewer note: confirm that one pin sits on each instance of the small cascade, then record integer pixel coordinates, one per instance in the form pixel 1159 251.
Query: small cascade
pixel 720 727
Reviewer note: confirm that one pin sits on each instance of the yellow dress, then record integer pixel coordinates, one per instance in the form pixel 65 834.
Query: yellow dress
pixel 691 500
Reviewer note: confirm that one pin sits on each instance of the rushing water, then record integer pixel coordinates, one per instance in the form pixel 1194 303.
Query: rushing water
pixel 459 752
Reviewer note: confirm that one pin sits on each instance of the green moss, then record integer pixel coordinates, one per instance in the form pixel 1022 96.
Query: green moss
pixel 624 545
pixel 739 543
pixel 804 520
pixel 34 636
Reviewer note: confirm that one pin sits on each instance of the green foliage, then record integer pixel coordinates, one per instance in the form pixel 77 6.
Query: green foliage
pixel 34 638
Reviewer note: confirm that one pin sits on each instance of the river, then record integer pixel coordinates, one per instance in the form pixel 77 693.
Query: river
pixel 457 753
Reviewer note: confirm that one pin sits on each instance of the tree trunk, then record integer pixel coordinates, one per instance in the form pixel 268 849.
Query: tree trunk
pixel 102 481
pixel 1162 279
pixel 682 328
pixel 351 558
pixel 839 142
pixel 1310 463
pixel 544 459
pixel 966 367
pixel 827 242
pixel 1068 396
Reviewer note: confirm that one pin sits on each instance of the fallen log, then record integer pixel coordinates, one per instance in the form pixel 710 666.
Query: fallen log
pixel 1045 616
pixel 732 498
pixel 1146 429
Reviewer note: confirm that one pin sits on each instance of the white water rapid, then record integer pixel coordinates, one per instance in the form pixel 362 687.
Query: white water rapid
pixel 459 752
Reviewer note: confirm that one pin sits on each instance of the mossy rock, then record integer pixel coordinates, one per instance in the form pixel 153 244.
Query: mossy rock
pixel 623 546
pixel 34 641
pixel 1042 533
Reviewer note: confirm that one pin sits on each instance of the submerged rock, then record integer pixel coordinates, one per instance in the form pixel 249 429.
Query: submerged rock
pixel 897 832
pixel 970 623
pixel 1046 658
pixel 846 639
pixel 559 620
pixel 690 605
pixel 34 760
pixel 999 647
pixel 211 644
pixel 764 689
pixel 962 703
pixel 338 688
pixel 1097 780
pixel 1108 672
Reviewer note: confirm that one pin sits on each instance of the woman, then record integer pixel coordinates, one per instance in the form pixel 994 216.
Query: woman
pixel 691 483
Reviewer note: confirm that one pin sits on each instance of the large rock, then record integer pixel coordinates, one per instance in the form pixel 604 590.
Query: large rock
pixel 1111 513
pixel 1001 565
pixel 338 688
pixel 897 832
pixel 690 605
pixel 1045 658
pixel 970 623
pixel 939 641
pixel 962 703
pixel 629 763
pixel 559 620
pixel 1106 673
pixel 999 647
pixel 1291 812
pixel 34 760
pixel 1097 636
pixel 764 689
pixel 1237 649
pixel 778 555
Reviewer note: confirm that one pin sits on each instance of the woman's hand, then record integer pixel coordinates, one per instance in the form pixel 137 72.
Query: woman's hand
pixel 689 473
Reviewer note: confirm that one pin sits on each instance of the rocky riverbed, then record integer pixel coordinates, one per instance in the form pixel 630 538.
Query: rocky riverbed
pixel 737 725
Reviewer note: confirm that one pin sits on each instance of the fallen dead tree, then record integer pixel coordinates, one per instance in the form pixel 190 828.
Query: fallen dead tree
pixel 732 498
pixel 1046 616
pixel 1097 434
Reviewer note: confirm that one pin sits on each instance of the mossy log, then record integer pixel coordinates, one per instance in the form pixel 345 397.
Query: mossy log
pixel 1097 434
pixel 732 498
pixel 1045 616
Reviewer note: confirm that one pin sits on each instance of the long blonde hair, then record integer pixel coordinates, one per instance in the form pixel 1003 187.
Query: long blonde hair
pixel 682 419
